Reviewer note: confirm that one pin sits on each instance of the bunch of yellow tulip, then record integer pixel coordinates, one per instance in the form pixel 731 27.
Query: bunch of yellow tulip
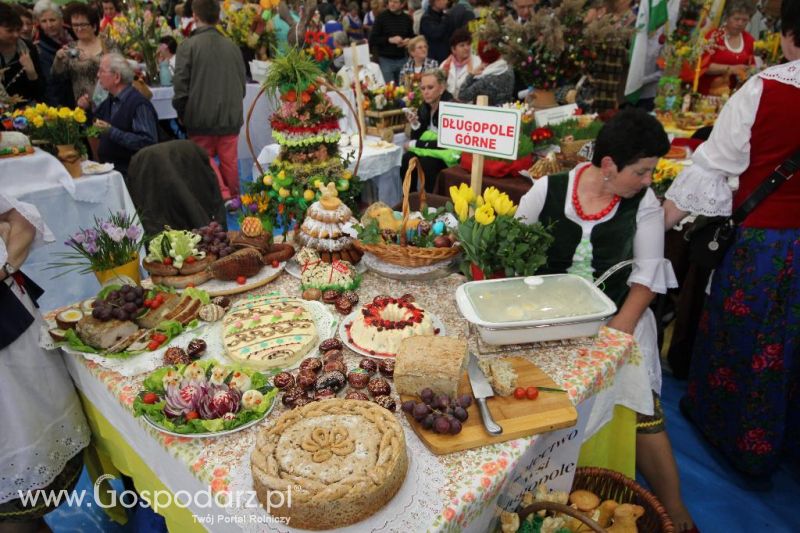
pixel 56 125
pixel 492 240
pixel 491 204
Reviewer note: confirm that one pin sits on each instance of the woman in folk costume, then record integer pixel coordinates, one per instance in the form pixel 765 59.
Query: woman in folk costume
pixel 732 54
pixel 44 430
pixel 604 213
pixel 744 380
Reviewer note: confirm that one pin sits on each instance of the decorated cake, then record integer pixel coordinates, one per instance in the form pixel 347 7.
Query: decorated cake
pixel 306 126
pixel 268 331
pixel 322 228
pixel 14 143
pixel 381 325
pixel 318 274
pixel 342 459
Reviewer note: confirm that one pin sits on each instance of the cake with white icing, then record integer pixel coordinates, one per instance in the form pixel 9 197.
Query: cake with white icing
pixel 380 326
pixel 323 228
pixel 342 459
pixel 269 331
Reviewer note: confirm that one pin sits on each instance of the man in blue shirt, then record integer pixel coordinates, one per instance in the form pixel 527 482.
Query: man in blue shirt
pixel 127 120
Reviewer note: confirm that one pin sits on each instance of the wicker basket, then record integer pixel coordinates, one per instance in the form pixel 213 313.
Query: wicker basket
pixel 385 124
pixel 402 254
pixel 610 485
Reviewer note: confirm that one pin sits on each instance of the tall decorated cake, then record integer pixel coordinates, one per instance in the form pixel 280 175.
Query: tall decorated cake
pixel 323 228
pixel 306 125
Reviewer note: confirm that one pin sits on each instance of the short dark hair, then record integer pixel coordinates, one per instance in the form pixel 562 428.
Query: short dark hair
pixel 206 10
pixel 9 18
pixel 461 35
pixel 115 2
pixel 84 10
pixel 632 134
pixel 790 19
pixel 172 44
pixel 22 11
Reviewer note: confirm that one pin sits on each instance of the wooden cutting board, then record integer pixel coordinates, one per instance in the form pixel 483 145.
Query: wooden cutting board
pixel 518 418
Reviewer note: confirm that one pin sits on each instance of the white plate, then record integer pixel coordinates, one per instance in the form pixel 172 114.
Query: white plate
pixel 402 273
pixel 154 425
pixel 294 269
pixel 91 167
pixel 345 338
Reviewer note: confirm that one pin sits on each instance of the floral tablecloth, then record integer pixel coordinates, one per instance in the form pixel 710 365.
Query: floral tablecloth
pixel 468 482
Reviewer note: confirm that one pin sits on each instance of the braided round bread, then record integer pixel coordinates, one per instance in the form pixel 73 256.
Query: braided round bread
pixel 342 460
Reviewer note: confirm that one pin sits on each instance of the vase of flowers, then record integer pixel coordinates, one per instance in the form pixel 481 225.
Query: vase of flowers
pixel 61 127
pixel 109 249
pixel 138 34
pixel 494 242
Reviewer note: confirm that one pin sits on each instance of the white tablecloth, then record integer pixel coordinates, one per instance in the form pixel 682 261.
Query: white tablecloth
pixel 379 169
pixel 260 131
pixel 65 204
pixel 24 174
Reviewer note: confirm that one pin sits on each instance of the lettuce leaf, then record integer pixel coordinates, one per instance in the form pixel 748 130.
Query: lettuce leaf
pixel 198 294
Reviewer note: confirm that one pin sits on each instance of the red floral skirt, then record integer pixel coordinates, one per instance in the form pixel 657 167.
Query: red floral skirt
pixel 744 384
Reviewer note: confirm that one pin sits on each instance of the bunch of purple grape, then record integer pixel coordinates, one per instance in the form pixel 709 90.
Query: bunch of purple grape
pixel 438 412
pixel 122 304
pixel 215 240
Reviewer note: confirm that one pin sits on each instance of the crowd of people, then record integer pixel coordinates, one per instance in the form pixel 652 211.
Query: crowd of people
pixel 744 376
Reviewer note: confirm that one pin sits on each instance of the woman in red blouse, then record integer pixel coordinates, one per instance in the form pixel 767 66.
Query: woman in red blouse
pixel 732 55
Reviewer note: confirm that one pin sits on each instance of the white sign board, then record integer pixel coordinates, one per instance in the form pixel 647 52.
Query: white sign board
pixel 554 115
pixel 491 131
pixel 361 54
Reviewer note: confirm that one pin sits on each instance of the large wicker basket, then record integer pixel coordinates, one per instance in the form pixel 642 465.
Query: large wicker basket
pixel 610 485
pixel 403 254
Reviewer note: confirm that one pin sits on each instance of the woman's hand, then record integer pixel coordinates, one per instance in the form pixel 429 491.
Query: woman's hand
pixel 411 117
pixel 27 65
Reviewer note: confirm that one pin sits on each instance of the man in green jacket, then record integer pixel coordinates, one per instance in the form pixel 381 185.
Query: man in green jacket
pixel 209 85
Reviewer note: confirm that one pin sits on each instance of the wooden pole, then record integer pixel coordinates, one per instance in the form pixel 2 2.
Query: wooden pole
pixel 476 178
pixel 359 95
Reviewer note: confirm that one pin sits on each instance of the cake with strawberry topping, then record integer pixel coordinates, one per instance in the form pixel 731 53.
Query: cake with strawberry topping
pixel 381 325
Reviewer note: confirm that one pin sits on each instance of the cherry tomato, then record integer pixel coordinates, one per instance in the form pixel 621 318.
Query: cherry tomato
pixel 149 398
pixel 167 261
pixel 275 263
pixel 241 280
pixel 191 415
pixel 153 345
pixel 160 337
pixel 148 302
pixel 532 393
pixel 191 259
pixel 519 393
